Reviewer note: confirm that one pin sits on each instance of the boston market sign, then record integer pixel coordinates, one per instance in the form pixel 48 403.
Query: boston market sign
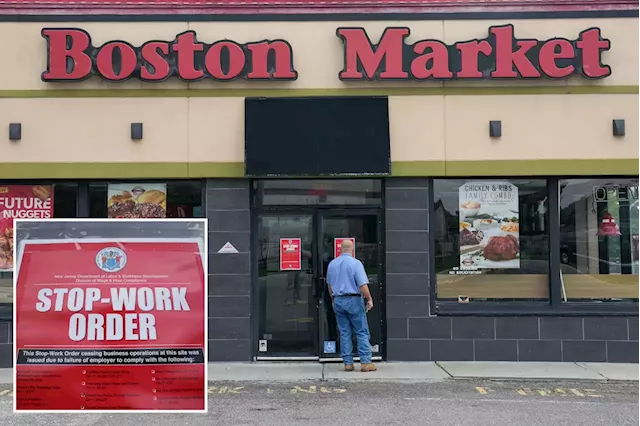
pixel 72 57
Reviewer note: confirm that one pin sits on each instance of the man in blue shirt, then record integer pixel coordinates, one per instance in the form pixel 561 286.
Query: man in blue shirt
pixel 348 284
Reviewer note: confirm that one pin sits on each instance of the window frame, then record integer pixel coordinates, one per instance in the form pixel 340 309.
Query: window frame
pixel 83 208
pixel 256 191
pixel 555 305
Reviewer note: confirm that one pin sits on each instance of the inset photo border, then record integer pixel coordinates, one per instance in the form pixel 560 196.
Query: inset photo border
pixel 73 307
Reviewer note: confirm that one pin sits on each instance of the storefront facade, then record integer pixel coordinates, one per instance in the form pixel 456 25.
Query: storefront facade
pixel 486 168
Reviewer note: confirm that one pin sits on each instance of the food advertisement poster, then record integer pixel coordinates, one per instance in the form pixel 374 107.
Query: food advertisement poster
pixel 290 254
pixel 337 242
pixel 20 202
pixel 137 200
pixel 489 226
pixel 110 325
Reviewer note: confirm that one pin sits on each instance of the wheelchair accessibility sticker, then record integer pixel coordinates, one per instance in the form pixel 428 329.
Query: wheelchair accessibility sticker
pixel 329 347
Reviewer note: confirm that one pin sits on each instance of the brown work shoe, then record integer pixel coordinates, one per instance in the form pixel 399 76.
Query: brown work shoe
pixel 368 367
pixel 348 367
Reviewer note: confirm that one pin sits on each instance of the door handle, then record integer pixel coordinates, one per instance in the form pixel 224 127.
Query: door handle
pixel 319 291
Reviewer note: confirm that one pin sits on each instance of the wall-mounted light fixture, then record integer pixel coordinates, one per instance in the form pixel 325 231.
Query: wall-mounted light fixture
pixel 15 131
pixel 136 131
pixel 495 128
pixel 618 128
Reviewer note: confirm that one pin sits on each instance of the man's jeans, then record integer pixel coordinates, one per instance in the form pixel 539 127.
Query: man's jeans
pixel 351 312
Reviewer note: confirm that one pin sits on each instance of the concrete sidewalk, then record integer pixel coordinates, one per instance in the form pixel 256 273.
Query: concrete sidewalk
pixel 424 371
pixel 413 371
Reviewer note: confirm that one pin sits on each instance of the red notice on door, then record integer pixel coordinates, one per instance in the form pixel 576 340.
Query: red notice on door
pixel 290 254
pixel 337 251
pixel 110 325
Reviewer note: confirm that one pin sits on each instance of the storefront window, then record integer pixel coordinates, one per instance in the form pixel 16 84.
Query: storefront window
pixel 491 240
pixel 172 199
pixel 599 239
pixel 21 200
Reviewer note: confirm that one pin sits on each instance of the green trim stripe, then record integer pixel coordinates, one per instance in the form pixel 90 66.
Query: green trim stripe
pixel 348 91
pixel 627 167
pixel 613 167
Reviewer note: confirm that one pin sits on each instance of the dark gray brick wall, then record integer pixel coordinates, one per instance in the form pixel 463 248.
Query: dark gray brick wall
pixel 590 339
pixel 229 218
pixel 6 346
pixel 407 267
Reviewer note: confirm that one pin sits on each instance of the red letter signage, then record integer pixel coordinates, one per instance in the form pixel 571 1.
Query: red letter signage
pixel 361 56
pixel 499 56
pixel 72 57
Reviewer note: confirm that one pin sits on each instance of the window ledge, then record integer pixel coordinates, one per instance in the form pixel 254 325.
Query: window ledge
pixel 538 309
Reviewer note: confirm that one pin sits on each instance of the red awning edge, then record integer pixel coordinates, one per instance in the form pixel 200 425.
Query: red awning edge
pixel 280 7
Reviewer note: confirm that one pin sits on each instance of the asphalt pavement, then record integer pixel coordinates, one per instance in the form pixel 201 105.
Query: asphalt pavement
pixel 334 402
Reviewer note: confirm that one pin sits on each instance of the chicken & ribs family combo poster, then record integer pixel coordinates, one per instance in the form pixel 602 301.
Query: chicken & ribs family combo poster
pixel 489 226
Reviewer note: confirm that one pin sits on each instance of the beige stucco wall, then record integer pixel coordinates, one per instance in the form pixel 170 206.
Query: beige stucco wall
pixel 423 128
pixel 431 127
pixel 456 128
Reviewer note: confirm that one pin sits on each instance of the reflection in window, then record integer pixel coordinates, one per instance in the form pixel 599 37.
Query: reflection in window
pixel 65 201
pixel 599 238
pixel 491 239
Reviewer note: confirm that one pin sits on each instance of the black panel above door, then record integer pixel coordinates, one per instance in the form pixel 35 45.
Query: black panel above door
pixel 317 136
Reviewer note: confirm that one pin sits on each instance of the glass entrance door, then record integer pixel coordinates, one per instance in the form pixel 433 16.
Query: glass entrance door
pixel 287 296
pixel 295 318
pixel 365 229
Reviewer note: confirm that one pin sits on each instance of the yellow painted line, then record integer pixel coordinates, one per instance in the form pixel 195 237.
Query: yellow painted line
pixel 313 390
pixel 589 393
pixel 225 390
pixel 576 392
pixel 6 393
pixel 296 389
pixel 379 90
pixel 481 390
pixel 581 393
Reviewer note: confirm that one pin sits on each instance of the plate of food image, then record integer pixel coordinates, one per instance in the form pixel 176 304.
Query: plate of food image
pixel 469 209
pixel 510 228
pixel 124 197
pixel 485 224
pixel 470 240
pixel 501 252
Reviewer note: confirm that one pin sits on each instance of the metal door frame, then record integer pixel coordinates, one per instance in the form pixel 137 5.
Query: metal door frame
pixel 317 213
pixel 255 279
pixel 340 212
